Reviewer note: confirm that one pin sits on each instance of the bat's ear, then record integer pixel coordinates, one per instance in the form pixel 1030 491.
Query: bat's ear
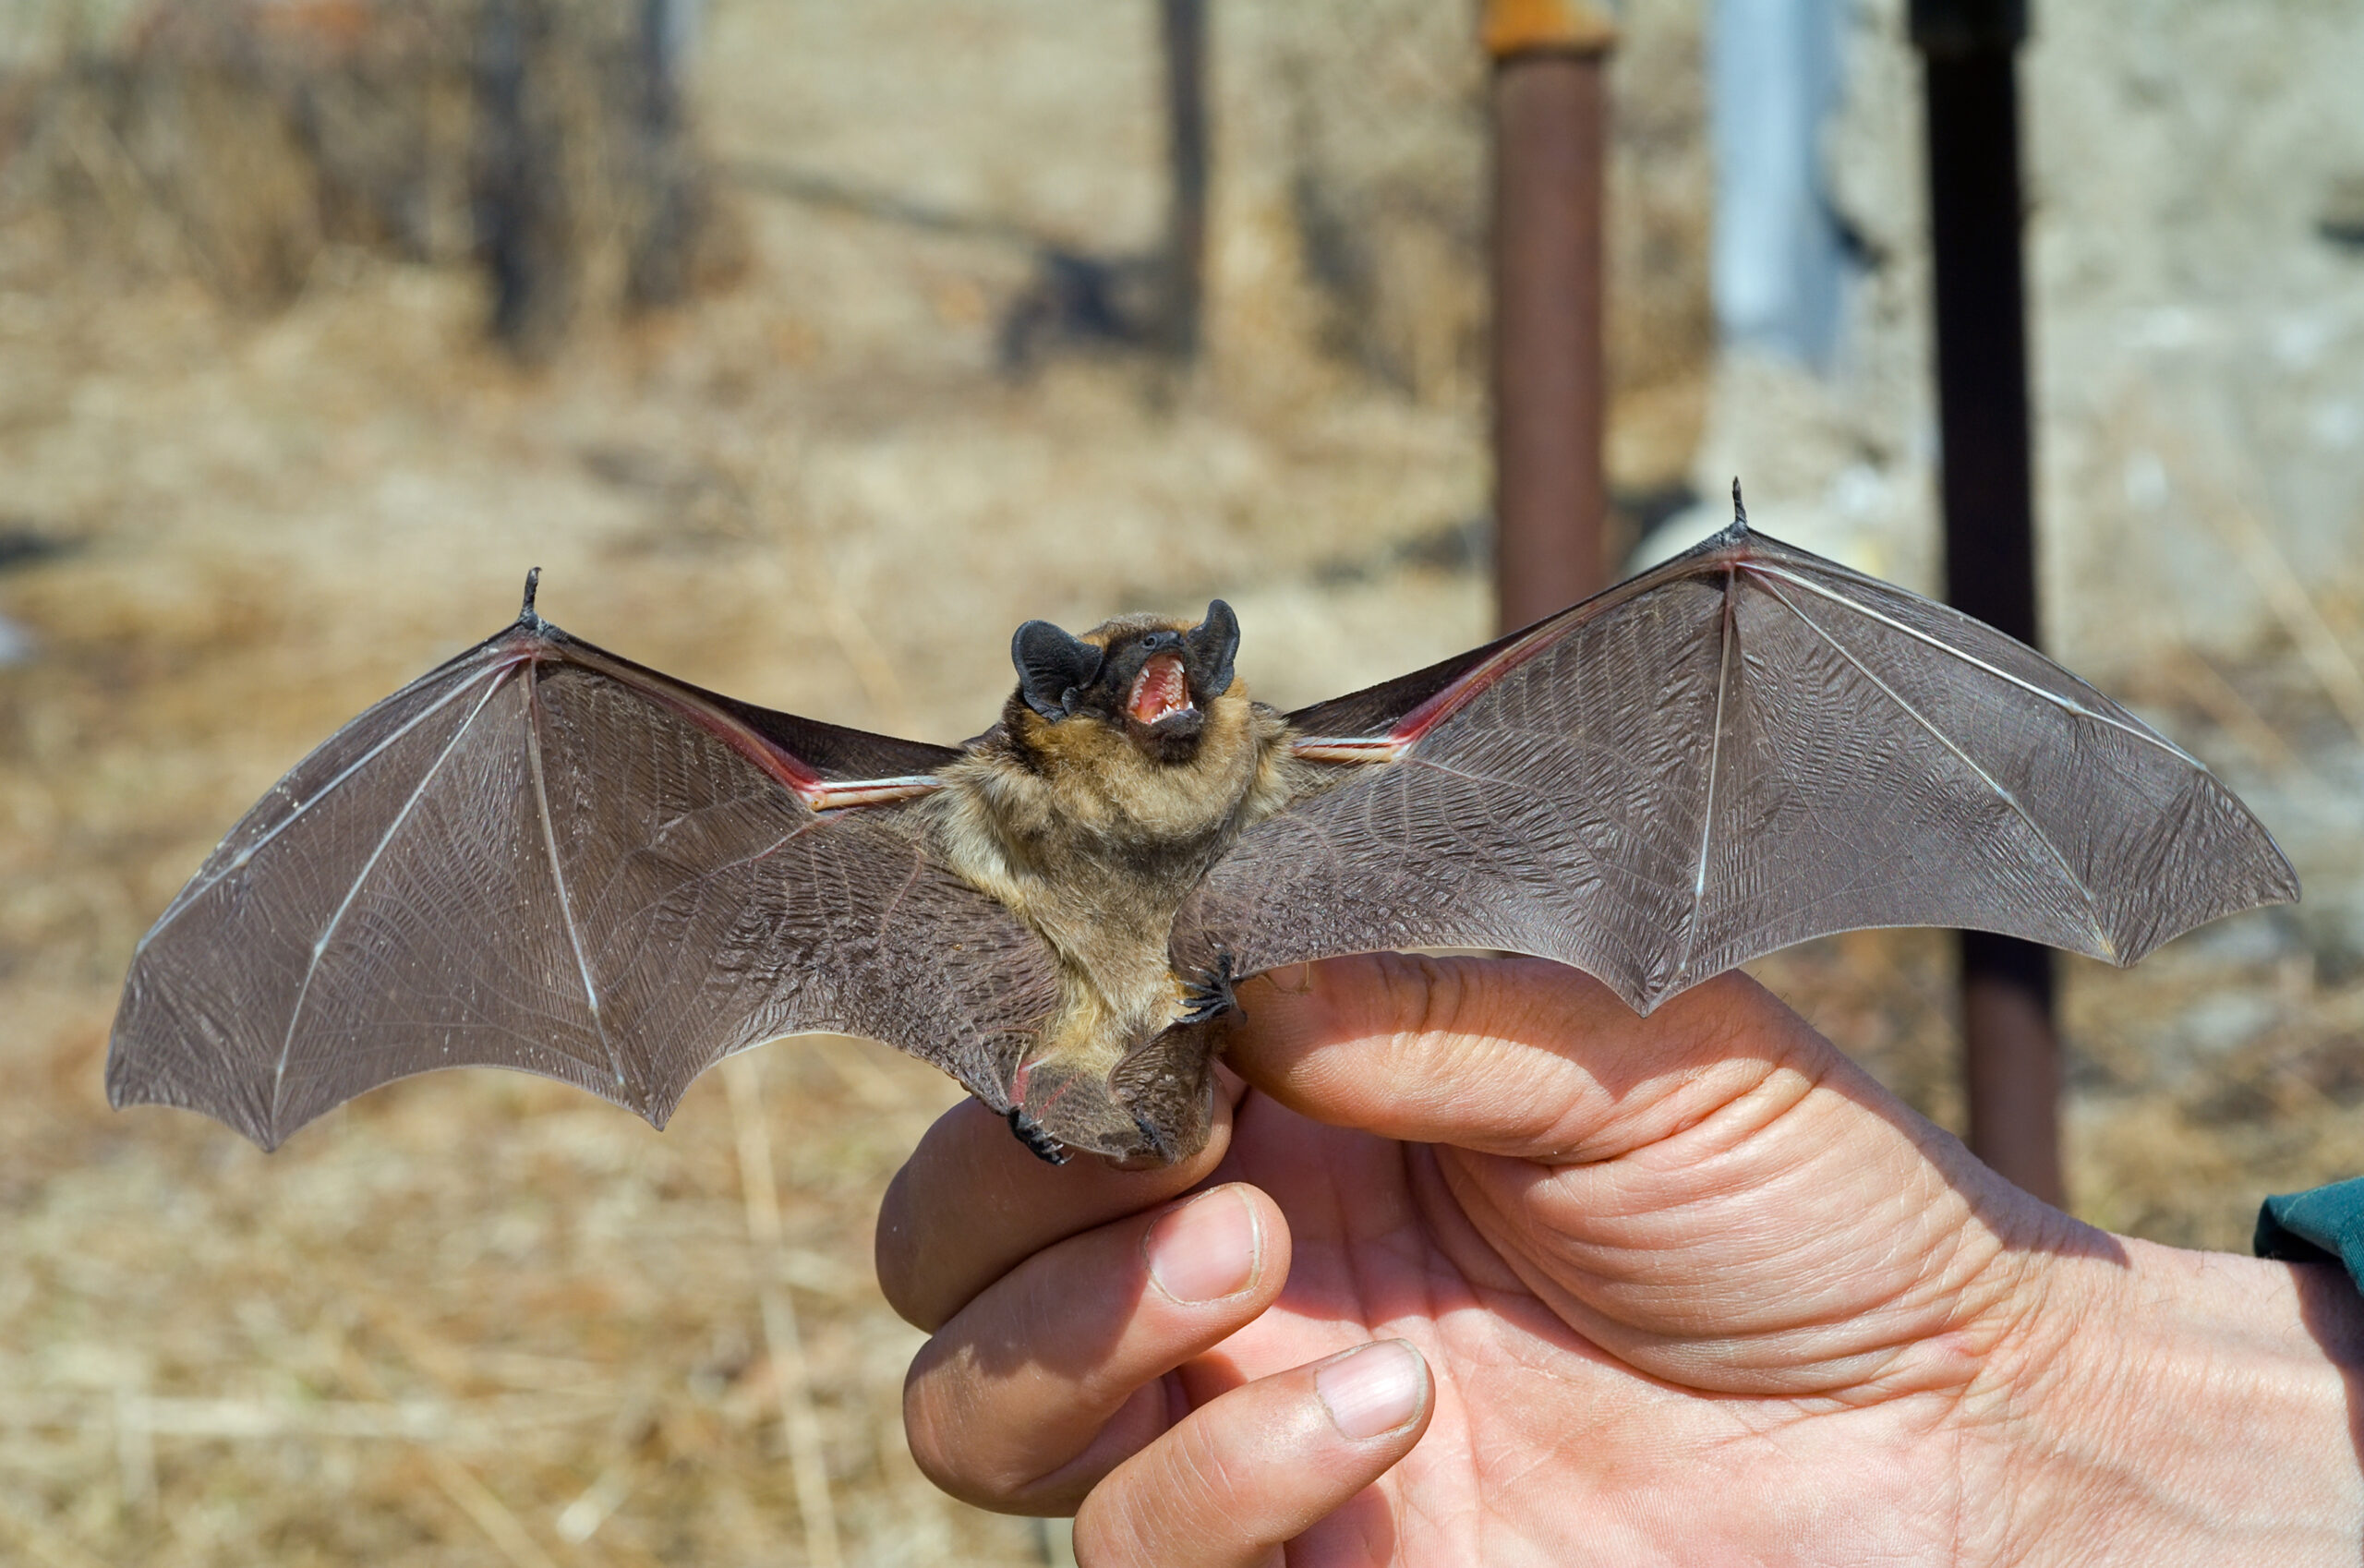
pixel 1051 667
pixel 1215 642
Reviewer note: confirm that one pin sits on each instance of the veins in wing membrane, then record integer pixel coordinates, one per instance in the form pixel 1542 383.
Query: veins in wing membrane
pixel 1730 617
pixel 2139 732
pixel 498 678
pixel 206 880
pixel 533 721
pixel 2018 808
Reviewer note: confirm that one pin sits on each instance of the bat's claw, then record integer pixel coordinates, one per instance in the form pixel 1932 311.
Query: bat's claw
pixel 1159 1148
pixel 1210 996
pixel 1040 1143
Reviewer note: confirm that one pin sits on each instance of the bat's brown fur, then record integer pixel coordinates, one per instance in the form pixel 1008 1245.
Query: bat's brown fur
pixel 1094 836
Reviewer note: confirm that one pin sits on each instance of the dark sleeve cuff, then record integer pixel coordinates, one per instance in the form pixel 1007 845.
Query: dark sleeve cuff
pixel 2324 1225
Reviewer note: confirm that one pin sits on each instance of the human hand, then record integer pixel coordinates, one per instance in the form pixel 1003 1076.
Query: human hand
pixel 1686 1287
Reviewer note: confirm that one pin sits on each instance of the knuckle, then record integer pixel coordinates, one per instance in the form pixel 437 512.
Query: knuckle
pixel 897 1252
pixel 949 1423
pixel 1421 996
pixel 1184 1495
pixel 1206 1479
pixel 1441 1005
pixel 997 1445
pixel 930 1429
pixel 955 1445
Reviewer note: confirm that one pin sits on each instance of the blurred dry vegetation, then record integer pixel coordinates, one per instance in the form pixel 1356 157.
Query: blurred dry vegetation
pixel 263 462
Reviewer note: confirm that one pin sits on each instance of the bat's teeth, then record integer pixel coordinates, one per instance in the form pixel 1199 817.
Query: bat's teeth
pixel 1160 690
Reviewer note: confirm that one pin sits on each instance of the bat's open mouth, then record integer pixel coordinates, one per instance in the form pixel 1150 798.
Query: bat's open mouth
pixel 1160 692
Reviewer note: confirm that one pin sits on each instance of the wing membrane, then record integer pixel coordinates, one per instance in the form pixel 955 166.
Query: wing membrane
pixel 545 858
pixel 1741 749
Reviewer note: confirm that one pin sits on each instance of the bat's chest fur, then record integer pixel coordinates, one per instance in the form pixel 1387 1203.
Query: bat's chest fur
pixel 1096 847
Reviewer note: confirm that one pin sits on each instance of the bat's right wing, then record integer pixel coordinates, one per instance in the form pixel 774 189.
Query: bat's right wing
pixel 1748 746
pixel 545 857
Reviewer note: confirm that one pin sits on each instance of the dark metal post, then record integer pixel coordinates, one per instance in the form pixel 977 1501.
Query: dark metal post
pixel 1551 111
pixel 666 177
pixel 524 205
pixel 1183 29
pixel 1968 50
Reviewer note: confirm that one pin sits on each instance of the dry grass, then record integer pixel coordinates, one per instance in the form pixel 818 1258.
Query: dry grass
pixel 470 1318
pixel 477 1318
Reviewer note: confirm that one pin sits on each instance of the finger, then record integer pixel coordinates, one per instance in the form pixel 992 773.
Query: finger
pixel 1054 1375
pixel 1260 1465
pixel 1515 1057
pixel 972 1200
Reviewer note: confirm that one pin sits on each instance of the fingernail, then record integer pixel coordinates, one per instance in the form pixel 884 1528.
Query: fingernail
pixel 1377 1389
pixel 1206 1250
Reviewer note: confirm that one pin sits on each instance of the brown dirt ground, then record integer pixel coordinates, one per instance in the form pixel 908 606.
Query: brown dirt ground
pixel 479 1318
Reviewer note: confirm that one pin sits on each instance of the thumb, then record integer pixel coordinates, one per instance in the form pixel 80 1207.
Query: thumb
pixel 1515 1057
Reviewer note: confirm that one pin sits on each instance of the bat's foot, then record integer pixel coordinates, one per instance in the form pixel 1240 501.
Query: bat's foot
pixel 1210 996
pixel 1030 1132
pixel 1158 1148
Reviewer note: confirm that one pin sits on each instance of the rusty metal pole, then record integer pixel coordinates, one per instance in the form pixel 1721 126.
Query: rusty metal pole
pixel 1551 112
pixel 1182 29
pixel 1968 48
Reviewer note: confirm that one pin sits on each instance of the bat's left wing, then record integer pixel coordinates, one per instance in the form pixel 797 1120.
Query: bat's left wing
pixel 545 857
pixel 1746 747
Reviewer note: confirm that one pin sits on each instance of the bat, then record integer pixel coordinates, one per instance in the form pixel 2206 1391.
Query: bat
pixel 543 856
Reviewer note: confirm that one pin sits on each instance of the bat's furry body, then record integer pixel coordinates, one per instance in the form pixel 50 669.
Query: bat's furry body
pixel 1094 839
pixel 544 856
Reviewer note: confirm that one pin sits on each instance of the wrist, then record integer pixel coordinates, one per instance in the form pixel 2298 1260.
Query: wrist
pixel 2163 1406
